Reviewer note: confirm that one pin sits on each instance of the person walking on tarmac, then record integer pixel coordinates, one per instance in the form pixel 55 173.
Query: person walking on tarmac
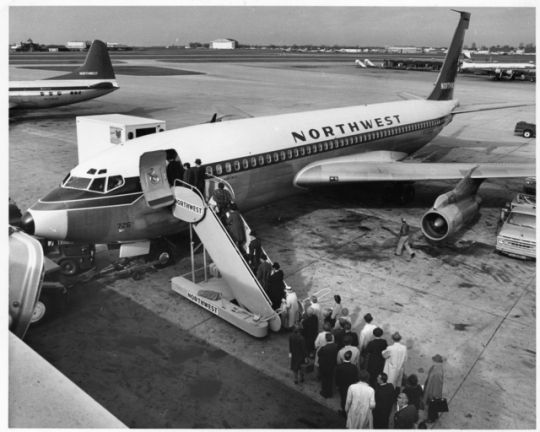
pixel 404 239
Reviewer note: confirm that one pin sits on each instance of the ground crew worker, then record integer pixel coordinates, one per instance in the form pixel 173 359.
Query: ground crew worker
pixel 404 239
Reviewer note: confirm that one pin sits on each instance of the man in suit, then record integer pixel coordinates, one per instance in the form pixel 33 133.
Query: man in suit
pixel 406 415
pixel 373 359
pixel 200 175
pixel 327 365
pixel 346 375
pixel 385 396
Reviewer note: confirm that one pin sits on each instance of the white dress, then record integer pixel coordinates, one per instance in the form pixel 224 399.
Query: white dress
pixel 360 402
pixel 292 309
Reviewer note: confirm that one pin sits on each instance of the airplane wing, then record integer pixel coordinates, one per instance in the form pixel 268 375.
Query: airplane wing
pixel 462 109
pixel 355 169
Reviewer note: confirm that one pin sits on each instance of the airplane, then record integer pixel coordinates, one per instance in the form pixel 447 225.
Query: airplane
pixel 122 195
pixel 498 70
pixel 93 79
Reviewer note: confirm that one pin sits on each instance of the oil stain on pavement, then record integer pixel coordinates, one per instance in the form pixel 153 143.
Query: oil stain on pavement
pixel 151 374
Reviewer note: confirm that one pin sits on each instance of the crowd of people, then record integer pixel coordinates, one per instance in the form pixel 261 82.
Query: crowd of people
pixel 368 373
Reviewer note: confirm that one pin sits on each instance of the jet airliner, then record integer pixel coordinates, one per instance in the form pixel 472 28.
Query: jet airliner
pixel 123 195
pixel 500 70
pixel 93 79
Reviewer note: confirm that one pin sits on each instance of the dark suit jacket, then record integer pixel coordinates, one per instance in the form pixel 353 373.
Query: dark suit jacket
pixel 373 356
pixel 339 334
pixel 406 418
pixel 310 331
pixel 199 173
pixel 354 336
pixel 328 357
pixel 385 397
pixel 346 375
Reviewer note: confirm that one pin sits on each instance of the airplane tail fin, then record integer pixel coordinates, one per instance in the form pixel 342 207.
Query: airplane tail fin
pixel 96 66
pixel 444 88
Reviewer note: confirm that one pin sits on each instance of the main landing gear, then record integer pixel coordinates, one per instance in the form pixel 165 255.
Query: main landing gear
pixel 160 250
pixel 399 193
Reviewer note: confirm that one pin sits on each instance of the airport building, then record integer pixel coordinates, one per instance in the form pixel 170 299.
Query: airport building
pixel 223 44
pixel 404 49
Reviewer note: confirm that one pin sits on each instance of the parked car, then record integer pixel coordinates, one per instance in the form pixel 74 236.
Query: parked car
pixel 517 234
pixel 528 130
pixel 529 185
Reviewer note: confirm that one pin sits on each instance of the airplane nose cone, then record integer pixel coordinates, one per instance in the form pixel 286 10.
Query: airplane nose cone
pixel 27 223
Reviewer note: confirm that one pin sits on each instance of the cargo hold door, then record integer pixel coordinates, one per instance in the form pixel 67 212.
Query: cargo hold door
pixel 154 182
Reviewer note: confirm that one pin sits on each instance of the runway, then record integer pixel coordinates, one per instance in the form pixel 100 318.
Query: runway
pixel 461 300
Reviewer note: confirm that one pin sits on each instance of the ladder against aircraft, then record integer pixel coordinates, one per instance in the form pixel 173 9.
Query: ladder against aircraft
pixel 233 293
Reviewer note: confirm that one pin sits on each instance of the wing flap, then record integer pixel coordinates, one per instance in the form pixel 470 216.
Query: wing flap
pixel 332 171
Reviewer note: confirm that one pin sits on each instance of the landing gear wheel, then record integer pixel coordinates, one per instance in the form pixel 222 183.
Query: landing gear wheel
pixel 160 250
pixel 43 310
pixel 69 267
pixel 527 134
pixel 136 276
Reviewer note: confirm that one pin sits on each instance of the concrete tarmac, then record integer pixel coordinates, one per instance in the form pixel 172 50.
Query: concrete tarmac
pixel 475 308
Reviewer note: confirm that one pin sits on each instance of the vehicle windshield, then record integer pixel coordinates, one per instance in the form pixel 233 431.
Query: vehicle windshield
pixel 523 220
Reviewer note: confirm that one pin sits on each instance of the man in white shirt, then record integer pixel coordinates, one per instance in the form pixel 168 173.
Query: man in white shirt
pixel 366 335
pixel 360 402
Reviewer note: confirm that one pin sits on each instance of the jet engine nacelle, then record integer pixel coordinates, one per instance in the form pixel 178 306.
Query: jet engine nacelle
pixel 443 221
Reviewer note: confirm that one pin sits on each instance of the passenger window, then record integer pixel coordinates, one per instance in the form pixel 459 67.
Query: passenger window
pixel 245 163
pixel 308 150
pixel 98 184
pixel 282 155
pixel 302 151
pixel 289 154
pixel 269 158
pixel 276 157
pixel 342 142
pixel 331 145
pixel 261 160
pixel 59 93
pixel 209 170
pixel 295 152
pixel 218 169
pixel 326 145
pixel 336 143
pixel 314 148
pixel 228 167
pixel 237 165
pixel 50 93
pixel 114 182
pixel 253 162
pixel 42 94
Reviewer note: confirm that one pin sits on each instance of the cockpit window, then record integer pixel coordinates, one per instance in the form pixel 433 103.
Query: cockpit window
pixel 102 171
pixel 98 185
pixel 115 182
pixel 78 183
pixel 91 171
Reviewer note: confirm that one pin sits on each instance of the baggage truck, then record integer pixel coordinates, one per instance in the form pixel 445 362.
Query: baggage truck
pixel 517 234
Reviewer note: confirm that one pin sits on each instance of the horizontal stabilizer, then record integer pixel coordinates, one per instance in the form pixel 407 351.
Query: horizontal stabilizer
pixel 462 109
pixel 335 171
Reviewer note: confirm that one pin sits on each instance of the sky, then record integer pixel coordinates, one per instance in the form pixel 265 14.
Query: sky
pixel 265 23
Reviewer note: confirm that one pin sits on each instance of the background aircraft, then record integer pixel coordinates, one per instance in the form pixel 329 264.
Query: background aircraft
pixel 499 70
pixel 93 79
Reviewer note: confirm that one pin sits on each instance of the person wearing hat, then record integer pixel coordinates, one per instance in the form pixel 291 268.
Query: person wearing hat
pixel 404 239
pixel 385 398
pixel 189 176
pixel 396 356
pixel 174 169
pixel 291 304
pixel 264 271
pixel 199 176
pixel 433 386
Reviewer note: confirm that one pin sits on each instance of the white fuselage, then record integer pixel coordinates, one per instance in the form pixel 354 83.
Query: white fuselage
pixel 53 93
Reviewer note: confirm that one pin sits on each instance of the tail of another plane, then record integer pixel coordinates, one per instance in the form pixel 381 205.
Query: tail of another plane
pixel 444 88
pixel 96 66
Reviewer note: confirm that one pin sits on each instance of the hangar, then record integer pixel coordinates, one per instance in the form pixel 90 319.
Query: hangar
pixel 223 44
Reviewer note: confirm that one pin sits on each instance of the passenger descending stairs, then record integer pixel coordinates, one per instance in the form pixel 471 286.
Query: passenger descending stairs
pixel 237 296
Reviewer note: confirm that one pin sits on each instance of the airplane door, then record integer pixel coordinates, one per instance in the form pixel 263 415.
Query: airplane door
pixel 154 182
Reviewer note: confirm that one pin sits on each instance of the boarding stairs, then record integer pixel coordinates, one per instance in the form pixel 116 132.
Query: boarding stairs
pixel 234 293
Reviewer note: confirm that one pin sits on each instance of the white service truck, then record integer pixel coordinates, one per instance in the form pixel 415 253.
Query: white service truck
pixel 517 232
